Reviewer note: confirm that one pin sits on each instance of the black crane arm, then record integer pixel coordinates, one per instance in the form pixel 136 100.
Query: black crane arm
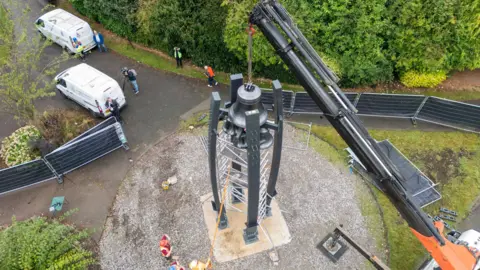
pixel 318 80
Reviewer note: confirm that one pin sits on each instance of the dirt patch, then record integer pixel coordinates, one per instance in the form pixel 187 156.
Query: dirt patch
pixel 468 79
pixel 441 166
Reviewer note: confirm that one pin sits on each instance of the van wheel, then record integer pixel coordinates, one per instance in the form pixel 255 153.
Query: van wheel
pixel 67 50
pixel 63 95
pixel 42 35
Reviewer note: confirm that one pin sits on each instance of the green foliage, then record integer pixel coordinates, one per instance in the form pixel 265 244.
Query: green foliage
pixel 117 16
pixel 346 33
pixel 59 126
pixel 41 244
pixel 6 32
pixel 24 78
pixel 351 32
pixel 16 148
pixel 365 42
pixel 434 36
pixel 427 80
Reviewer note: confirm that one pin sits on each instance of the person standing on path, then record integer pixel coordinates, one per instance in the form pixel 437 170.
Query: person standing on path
pixel 178 56
pixel 112 105
pixel 132 77
pixel 211 76
pixel 98 37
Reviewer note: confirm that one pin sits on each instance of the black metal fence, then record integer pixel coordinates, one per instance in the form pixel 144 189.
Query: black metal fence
pixel 454 114
pixel 89 146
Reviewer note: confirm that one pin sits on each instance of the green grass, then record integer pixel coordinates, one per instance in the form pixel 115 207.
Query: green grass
pixel 371 212
pixel 459 193
pixel 197 120
pixel 168 64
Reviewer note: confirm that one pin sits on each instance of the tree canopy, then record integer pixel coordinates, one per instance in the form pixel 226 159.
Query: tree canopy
pixel 365 42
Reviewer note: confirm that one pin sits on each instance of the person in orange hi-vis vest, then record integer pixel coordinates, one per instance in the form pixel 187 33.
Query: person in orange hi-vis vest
pixel 209 73
pixel 166 247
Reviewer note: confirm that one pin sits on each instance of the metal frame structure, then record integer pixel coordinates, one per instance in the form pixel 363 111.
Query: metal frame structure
pixel 354 160
pixel 432 184
pixel 226 149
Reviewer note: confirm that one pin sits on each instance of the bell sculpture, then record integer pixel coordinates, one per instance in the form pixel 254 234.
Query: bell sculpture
pixel 248 99
pixel 247 130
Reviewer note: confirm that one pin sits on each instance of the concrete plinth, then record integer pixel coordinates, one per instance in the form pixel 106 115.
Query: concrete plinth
pixel 230 244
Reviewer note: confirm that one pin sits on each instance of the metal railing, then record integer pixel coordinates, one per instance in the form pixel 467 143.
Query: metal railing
pixel 450 113
pixel 89 146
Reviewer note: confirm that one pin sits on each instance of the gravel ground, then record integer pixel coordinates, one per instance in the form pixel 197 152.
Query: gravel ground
pixel 315 195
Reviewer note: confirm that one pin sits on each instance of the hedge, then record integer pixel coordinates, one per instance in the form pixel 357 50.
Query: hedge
pixel 365 41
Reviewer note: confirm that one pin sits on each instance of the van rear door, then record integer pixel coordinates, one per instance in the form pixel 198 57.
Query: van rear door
pixel 113 91
pixel 85 35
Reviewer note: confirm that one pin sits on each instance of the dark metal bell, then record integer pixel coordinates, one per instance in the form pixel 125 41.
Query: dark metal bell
pixel 248 98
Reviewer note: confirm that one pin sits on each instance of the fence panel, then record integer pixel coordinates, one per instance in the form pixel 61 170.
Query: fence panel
pixel 85 150
pixel 451 113
pixel 305 105
pixel 267 99
pixel 416 183
pixel 107 122
pixel 390 105
pixel 350 96
pixel 24 175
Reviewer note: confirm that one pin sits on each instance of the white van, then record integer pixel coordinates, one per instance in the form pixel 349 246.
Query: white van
pixel 62 27
pixel 90 88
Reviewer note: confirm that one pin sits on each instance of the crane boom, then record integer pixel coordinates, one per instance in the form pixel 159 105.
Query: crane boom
pixel 318 80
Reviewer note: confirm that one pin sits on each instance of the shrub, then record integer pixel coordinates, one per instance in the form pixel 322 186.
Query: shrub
pixel 428 80
pixel 16 148
pixel 60 126
pixel 37 243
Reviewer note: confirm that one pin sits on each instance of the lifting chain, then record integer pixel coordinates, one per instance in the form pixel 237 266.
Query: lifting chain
pixel 251 31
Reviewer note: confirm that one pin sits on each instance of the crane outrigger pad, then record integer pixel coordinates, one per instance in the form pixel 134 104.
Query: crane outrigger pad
pixel 332 248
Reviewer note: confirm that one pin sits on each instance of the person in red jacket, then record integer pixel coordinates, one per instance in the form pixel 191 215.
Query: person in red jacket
pixel 166 247
pixel 209 73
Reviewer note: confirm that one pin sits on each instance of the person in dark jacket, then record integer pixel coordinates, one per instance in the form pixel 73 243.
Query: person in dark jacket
pixel 132 77
pixel 112 105
pixel 99 41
